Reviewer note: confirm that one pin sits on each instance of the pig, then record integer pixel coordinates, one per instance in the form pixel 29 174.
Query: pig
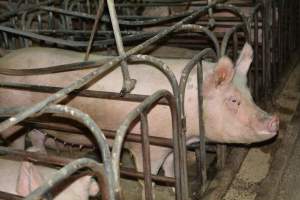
pixel 21 178
pixel 230 114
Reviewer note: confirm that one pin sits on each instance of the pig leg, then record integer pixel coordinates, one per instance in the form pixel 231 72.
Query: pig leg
pixel 168 167
pixel 157 154
pixel 29 179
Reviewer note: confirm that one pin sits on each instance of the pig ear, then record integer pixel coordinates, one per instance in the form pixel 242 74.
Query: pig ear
pixel 29 179
pixel 224 71
pixel 245 59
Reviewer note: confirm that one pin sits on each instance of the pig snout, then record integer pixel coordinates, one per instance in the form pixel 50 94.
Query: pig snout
pixel 273 124
pixel 266 124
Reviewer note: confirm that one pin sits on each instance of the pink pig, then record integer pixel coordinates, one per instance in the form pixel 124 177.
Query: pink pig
pixel 230 115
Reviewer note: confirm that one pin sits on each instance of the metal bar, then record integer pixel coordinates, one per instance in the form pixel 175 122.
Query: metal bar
pixel 202 160
pixel 182 86
pixel 77 92
pixel 43 159
pixel 105 19
pixel 96 23
pixel 257 82
pixel 96 132
pixel 197 28
pixel 131 137
pixel 144 108
pixel 146 157
pixel 27 8
pixel 128 83
pixel 99 137
pixel 228 35
pixel 66 172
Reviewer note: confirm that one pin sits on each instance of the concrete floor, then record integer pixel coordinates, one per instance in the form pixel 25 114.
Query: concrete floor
pixel 290 181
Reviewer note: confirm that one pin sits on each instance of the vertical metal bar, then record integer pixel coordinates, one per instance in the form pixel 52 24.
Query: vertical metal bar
pixel 211 21
pixel 256 57
pixel 267 49
pixel 5 39
pixel 146 157
pixel 128 83
pixel 275 45
pixel 280 41
pixel 235 45
pixel 39 19
pixel 96 23
pixel 51 21
pixel 263 64
pixel 202 159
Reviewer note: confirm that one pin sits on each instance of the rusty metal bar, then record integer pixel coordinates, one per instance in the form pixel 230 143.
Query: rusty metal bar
pixel 228 36
pixel 96 23
pixel 198 28
pixel 146 157
pixel 81 93
pixel 5 16
pixel 202 160
pixel 182 143
pixel 181 190
pixel 43 159
pixel 66 172
pixel 148 22
pixel 98 135
pixel 128 83
pixel 182 86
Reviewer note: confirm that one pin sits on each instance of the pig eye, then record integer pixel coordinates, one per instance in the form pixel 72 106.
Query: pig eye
pixel 234 100
pixel 233 103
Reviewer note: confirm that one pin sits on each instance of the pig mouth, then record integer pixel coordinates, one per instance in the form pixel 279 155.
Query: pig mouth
pixel 266 135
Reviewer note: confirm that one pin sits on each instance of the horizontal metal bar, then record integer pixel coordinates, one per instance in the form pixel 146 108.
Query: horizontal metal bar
pixel 77 92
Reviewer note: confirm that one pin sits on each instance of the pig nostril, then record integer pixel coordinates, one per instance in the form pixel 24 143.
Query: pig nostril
pixel 273 125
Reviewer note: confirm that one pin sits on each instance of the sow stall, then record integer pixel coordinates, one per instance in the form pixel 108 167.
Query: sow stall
pixel 263 27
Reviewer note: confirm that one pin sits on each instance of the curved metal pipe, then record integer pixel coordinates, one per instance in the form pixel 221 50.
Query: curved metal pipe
pixel 227 36
pixel 66 172
pixel 198 28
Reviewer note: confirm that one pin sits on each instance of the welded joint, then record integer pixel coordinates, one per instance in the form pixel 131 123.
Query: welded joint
pixel 128 83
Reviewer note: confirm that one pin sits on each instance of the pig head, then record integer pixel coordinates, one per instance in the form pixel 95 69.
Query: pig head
pixel 230 114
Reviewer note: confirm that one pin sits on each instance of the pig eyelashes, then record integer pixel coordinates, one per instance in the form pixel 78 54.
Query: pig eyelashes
pixel 233 103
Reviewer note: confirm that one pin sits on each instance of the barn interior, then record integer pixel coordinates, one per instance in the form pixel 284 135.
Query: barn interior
pixel 149 99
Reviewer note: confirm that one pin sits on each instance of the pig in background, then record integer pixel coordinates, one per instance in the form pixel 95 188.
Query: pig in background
pixel 21 178
pixel 230 114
